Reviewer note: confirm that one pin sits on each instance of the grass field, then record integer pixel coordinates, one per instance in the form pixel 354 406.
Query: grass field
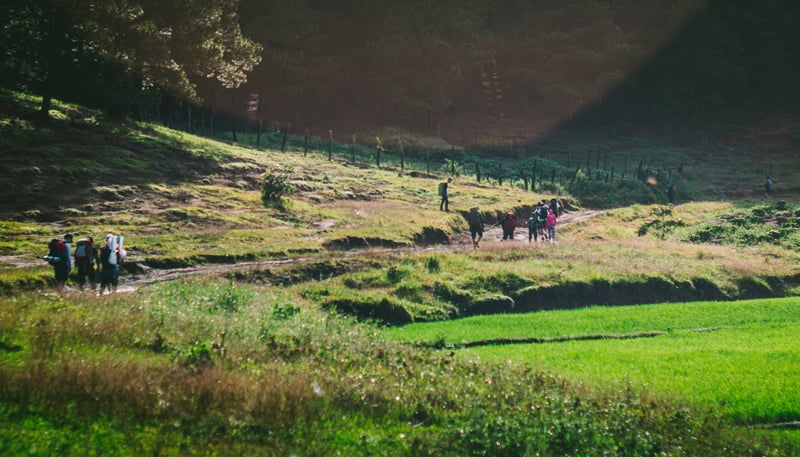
pixel 741 359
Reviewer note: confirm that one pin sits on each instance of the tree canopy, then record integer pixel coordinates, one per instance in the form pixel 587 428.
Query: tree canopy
pixel 416 63
pixel 172 45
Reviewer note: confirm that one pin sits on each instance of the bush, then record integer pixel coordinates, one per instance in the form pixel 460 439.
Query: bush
pixel 274 186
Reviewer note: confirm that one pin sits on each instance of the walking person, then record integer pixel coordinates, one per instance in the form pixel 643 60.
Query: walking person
pixel 767 187
pixel 475 221
pixel 551 225
pixel 58 256
pixel 444 192
pixel 509 224
pixel 555 207
pixel 541 218
pixel 533 227
pixel 86 257
pixel 671 191
pixel 111 255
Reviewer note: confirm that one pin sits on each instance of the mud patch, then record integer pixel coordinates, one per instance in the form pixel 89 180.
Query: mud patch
pixel 557 339
pixel 355 242
pixel 431 235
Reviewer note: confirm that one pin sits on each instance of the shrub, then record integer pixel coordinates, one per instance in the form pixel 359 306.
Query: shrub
pixel 432 264
pixel 274 186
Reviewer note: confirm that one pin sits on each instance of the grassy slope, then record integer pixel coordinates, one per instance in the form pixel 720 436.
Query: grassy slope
pixel 181 199
pixel 201 200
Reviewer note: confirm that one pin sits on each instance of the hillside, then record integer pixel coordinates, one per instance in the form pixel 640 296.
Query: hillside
pixel 183 200
pixel 260 328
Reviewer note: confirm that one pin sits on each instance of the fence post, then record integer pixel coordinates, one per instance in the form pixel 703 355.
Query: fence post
pixel 330 145
pixel 500 173
pixel 533 175
pixel 283 140
pixel 428 161
pixel 402 157
pixel 353 149
pixel 258 134
pixel 478 171
pixel 305 143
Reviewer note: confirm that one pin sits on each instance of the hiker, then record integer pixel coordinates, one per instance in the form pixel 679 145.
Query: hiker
pixel 671 191
pixel 541 218
pixel 533 227
pixel 58 256
pixel 111 255
pixel 767 187
pixel 509 223
pixel 475 221
pixel 86 257
pixel 551 225
pixel 444 188
pixel 555 207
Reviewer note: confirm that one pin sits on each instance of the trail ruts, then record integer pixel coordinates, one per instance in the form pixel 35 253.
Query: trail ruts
pixel 459 242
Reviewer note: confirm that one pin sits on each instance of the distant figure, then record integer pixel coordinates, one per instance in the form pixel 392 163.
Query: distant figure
pixel 509 224
pixel 551 225
pixel 475 221
pixel 767 187
pixel 555 207
pixel 444 189
pixel 58 257
pixel 111 255
pixel 533 227
pixel 541 218
pixel 86 258
pixel 671 191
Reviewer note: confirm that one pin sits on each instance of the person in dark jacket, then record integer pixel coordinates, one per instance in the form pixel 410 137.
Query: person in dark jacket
pixel 509 224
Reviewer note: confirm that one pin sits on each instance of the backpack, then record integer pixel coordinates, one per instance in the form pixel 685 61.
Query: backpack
pixel 474 217
pixel 532 222
pixel 83 249
pixel 442 189
pixel 543 213
pixel 105 253
pixel 56 250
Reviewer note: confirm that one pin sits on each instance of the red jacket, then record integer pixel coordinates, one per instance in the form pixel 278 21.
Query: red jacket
pixel 509 222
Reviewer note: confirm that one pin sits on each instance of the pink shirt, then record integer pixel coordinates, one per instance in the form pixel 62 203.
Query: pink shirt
pixel 551 219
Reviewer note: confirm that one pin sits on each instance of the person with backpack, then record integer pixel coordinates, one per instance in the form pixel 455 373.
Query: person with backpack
pixel 541 218
pixel 767 187
pixel 671 191
pixel 86 258
pixel 555 207
pixel 111 255
pixel 58 256
pixel 444 189
pixel 475 221
pixel 509 224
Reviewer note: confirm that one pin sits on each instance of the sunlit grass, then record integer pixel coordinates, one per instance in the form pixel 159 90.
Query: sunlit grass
pixel 739 358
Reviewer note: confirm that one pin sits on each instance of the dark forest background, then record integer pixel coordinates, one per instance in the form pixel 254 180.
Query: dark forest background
pixel 470 71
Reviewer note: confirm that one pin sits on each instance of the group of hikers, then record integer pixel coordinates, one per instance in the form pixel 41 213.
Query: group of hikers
pixel 90 261
pixel 541 223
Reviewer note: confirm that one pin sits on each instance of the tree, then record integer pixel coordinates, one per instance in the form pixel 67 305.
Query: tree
pixel 172 45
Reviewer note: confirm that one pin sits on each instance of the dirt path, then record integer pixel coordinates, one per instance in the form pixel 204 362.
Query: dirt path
pixel 459 243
